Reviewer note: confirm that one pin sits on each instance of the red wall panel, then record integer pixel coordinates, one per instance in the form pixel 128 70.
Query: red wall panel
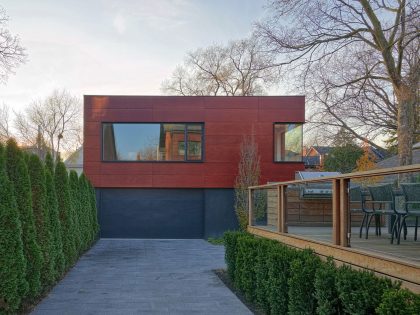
pixel 226 120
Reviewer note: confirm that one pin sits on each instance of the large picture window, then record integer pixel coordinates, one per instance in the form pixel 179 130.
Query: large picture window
pixel 288 142
pixel 152 142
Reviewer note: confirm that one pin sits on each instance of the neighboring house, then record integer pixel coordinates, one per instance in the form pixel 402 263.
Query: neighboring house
pixel 393 160
pixel 165 166
pixel 315 156
pixel 75 161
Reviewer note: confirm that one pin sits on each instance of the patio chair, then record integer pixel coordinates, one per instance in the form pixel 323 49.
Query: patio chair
pixel 358 205
pixel 411 193
pixel 383 203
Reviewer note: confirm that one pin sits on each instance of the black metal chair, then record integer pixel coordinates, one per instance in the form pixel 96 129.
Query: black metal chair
pixel 383 203
pixel 411 193
pixel 358 205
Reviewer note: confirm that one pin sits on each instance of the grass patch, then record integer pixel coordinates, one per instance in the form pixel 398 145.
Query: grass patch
pixel 216 241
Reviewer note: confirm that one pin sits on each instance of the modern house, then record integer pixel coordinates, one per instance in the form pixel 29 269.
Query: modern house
pixel 165 166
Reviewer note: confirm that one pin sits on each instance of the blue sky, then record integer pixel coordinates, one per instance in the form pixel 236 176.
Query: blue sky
pixel 114 46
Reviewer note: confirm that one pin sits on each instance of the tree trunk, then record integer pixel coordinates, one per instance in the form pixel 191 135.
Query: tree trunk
pixel 406 123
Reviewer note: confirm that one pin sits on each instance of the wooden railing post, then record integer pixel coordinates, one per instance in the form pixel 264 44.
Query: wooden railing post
pixel 336 212
pixel 344 212
pixel 250 206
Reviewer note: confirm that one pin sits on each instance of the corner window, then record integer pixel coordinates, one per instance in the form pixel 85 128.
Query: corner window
pixel 288 142
pixel 152 142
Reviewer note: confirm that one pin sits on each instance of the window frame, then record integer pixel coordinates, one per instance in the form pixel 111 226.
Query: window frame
pixel 155 123
pixel 274 142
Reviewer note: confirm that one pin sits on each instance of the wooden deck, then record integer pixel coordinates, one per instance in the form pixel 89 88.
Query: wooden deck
pixel 398 262
pixel 338 240
pixel 408 250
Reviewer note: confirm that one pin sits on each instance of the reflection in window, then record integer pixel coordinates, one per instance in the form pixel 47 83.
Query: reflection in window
pixel 195 134
pixel 288 142
pixel 151 142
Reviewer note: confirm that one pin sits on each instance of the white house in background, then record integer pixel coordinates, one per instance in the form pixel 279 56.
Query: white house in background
pixel 75 161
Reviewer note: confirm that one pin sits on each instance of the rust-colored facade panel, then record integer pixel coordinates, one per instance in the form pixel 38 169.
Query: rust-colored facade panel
pixel 226 120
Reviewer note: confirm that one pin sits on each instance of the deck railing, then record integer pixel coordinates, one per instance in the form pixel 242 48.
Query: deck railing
pixel 340 223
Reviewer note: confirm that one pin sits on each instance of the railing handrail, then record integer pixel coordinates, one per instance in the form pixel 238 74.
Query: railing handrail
pixel 377 172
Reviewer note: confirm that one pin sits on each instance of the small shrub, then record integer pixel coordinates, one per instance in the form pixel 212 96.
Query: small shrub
pixel 13 284
pixel 325 290
pixel 301 283
pixel 278 262
pixel 399 302
pixel 262 283
pixel 19 176
pixel 231 242
pixel 245 264
pixel 360 292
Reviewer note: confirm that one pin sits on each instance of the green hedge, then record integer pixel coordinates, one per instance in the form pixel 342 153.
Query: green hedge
pixel 13 284
pixel 283 280
pixel 19 176
pixel 42 213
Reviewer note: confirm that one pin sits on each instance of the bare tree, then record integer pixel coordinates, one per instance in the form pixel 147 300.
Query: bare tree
pixel 4 123
pixel 238 68
pixel 57 119
pixel 379 43
pixel 248 175
pixel 12 54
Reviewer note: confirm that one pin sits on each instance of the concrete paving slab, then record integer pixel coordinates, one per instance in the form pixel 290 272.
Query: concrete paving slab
pixel 120 276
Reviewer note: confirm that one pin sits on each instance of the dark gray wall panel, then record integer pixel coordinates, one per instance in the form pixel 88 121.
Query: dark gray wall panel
pixel 219 214
pixel 152 213
pixel 165 213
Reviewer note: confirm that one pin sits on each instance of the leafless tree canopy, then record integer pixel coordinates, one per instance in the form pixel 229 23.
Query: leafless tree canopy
pixel 57 118
pixel 358 60
pixel 236 69
pixel 12 54
pixel 4 123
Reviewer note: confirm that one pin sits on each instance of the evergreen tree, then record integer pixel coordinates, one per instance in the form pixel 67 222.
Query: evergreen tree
pixel 76 206
pixel 57 242
pixel 42 217
pixel 19 176
pixel 342 159
pixel 13 284
pixel 66 213
pixel 86 210
pixel 94 211
pixel 49 163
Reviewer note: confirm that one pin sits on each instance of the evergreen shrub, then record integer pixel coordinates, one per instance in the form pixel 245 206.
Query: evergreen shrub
pixel 13 284
pixel 42 217
pixel 66 214
pixel 55 225
pixel 19 176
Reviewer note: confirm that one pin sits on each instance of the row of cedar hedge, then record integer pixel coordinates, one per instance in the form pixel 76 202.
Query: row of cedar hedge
pixel 48 218
pixel 283 280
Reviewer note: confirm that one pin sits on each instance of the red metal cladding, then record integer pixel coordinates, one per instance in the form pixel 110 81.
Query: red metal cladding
pixel 226 121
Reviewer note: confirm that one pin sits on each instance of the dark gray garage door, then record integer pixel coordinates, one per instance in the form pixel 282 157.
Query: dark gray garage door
pixel 151 213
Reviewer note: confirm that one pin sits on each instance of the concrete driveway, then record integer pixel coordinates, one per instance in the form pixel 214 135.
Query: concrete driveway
pixel 145 277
